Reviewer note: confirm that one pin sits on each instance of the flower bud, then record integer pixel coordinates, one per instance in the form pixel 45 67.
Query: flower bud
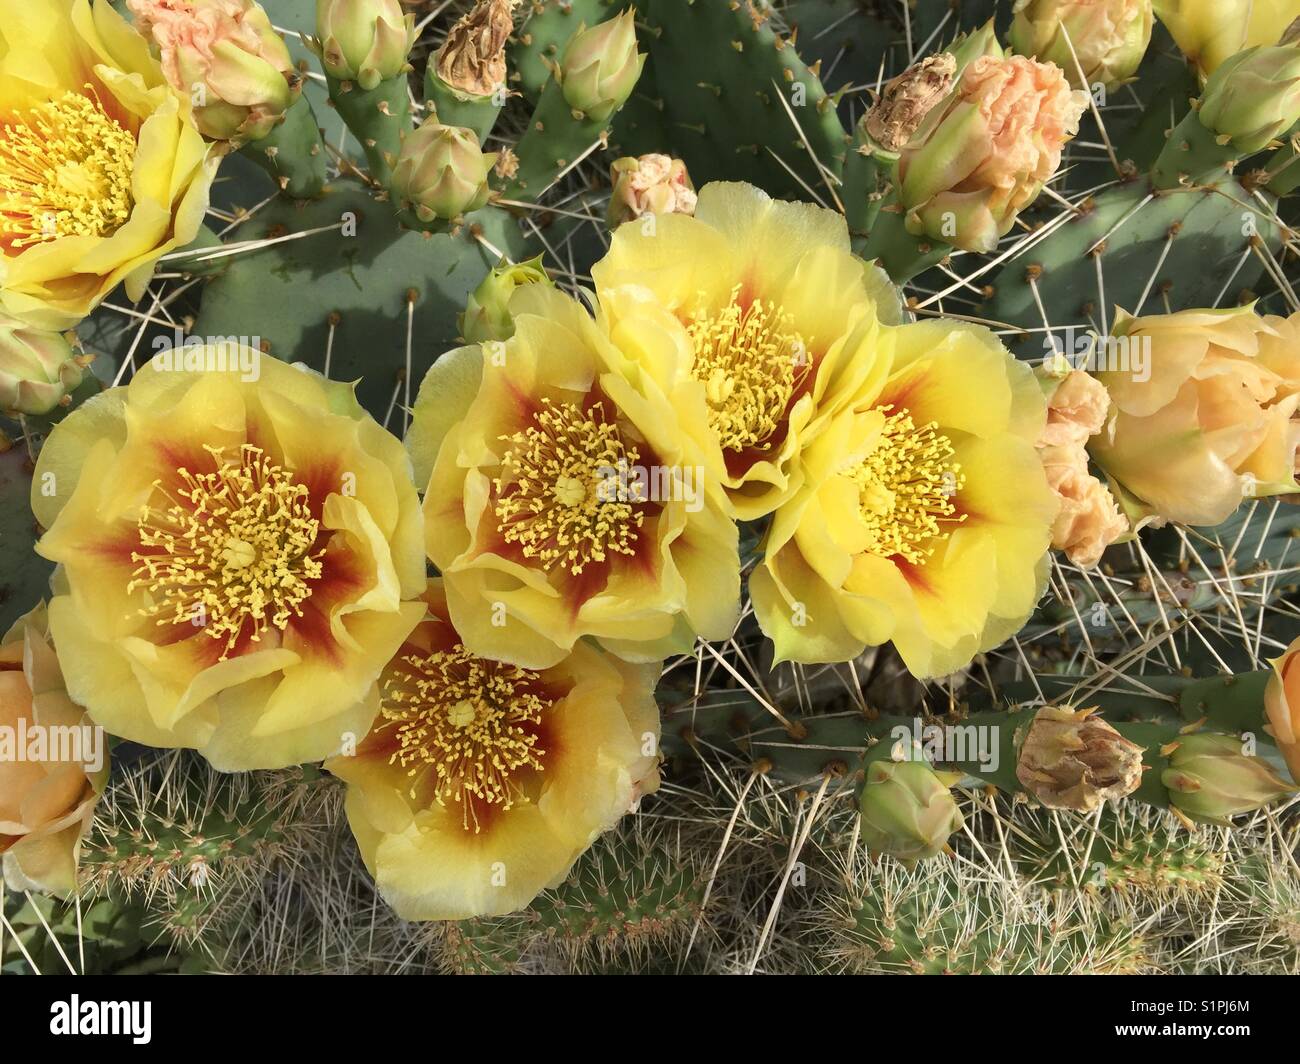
pixel 1282 706
pixel 1202 416
pixel 908 811
pixel 366 41
pixel 227 58
pixel 473 58
pixel 487 311
pixel 1074 760
pixel 652 184
pixel 1209 779
pixel 600 67
pixel 441 172
pixel 1106 39
pixel 1253 98
pixel 983 154
pixel 37 368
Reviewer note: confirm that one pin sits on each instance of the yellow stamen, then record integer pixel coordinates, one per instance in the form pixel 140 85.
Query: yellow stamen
pixel 232 550
pixel 473 721
pixel 552 495
pixel 65 170
pixel 906 488
pixel 750 360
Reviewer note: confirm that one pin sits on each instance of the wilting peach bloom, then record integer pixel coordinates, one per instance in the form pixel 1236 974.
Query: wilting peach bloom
pixel 983 155
pixel 1282 706
pixel 1089 520
pixel 1106 39
pixel 239 550
pixel 102 170
pixel 563 504
pixel 482 782
pixel 227 58
pixel 1212 422
pixel 652 184
pixel 46 805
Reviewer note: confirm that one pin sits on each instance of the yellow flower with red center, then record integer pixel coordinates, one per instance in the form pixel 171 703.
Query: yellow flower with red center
pixel 240 554
pixel 47 801
pixel 756 322
pixel 101 168
pixel 561 503
pixel 482 782
pixel 927 516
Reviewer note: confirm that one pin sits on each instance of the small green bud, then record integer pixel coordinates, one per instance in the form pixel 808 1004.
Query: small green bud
pixel 487 315
pixel 37 368
pixel 441 172
pixel 600 67
pixel 366 41
pixel 1210 779
pixel 908 811
pixel 1253 98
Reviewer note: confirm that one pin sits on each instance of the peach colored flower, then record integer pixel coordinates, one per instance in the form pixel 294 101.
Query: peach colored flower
pixel 652 184
pixel 1212 422
pixel 227 58
pixel 1282 706
pixel 984 154
pixel 1089 520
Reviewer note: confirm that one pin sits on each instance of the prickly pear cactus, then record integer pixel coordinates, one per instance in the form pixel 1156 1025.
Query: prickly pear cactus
pixel 1082 652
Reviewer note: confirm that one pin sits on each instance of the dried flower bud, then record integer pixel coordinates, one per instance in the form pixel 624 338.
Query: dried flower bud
pixel 1070 759
pixel 473 58
pixel 908 98
pixel 652 184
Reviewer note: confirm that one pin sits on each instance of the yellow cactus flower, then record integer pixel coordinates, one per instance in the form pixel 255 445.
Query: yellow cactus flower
pixel 1209 31
pixel 771 327
pixel 53 763
pixel 1209 420
pixel 928 516
pixel 561 503
pixel 482 782
pixel 240 555
pixel 102 170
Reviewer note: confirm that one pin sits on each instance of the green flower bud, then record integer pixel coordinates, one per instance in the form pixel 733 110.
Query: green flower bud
pixel 907 809
pixel 1253 98
pixel 366 41
pixel 227 58
pixel 1210 779
pixel 37 368
pixel 441 172
pixel 487 316
pixel 971 46
pixel 600 67
pixel 1105 38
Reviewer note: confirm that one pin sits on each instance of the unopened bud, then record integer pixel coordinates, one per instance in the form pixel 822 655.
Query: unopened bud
pixel 908 811
pixel 441 172
pixel 487 311
pixel 366 41
pixel 1210 779
pixel 37 368
pixel 600 67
